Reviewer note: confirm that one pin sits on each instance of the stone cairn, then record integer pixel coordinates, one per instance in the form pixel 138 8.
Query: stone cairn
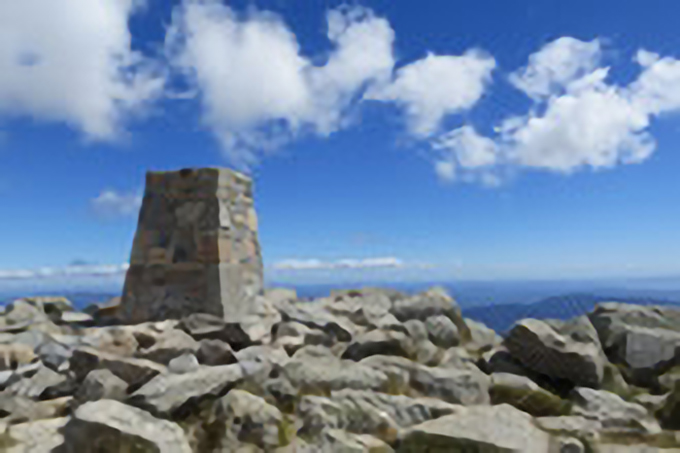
pixel 195 249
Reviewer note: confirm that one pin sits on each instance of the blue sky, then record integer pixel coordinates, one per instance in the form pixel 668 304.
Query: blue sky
pixel 417 139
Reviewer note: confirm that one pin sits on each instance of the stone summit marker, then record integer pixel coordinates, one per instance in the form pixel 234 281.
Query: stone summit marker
pixel 195 249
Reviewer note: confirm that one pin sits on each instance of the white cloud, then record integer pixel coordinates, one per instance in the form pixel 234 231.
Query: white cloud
pixel 556 65
pixel 313 264
pixel 579 118
pixel 436 86
pixel 70 61
pixel 66 271
pixel 257 89
pixel 113 204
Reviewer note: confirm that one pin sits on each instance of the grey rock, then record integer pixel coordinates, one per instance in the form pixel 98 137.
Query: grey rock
pixel 111 426
pixel 20 409
pixel 336 440
pixel 23 312
pixel 34 386
pixel 263 354
pixel 169 345
pixel 482 338
pixel 53 354
pixel 203 326
pixel 669 414
pixel 323 374
pixel 501 429
pixel 186 363
pixel 249 418
pixel 117 340
pixel 539 347
pixel 316 316
pixel 571 445
pixel 172 395
pixel 99 385
pixel 15 354
pixel 571 425
pixel 442 331
pixel 36 436
pixel 135 372
pixel 524 394
pixel 416 329
pixel 75 318
pixel 215 352
pixel 383 342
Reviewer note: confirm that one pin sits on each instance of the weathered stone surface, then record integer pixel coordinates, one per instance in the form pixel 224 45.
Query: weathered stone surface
pixel 38 436
pixel 571 425
pixel 169 345
pixel 493 429
pixel 116 340
pixel 195 249
pixel 186 363
pixel 203 326
pixel 539 347
pixel 111 426
pixel 442 331
pixel 12 355
pixel 482 338
pixel 172 395
pixel 249 418
pixel 316 316
pixel 263 354
pixel 133 371
pixel 337 440
pixel 99 385
pixel 215 352
pixel 35 385
pixel 383 342
pixel 669 414
pixel 611 410
pixel 524 394
pixel 19 409
pixel 53 354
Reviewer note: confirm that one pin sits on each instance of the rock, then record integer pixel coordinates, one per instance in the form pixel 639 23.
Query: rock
pixel 482 338
pixel 368 412
pixel 202 326
pixel 195 249
pixel 644 338
pixel 570 445
pixel 383 342
pixel 169 345
pixel 416 329
pixel 278 295
pixel 111 426
pixel 34 386
pixel 15 354
pixel 611 410
pixel 442 331
pixel 316 316
pixel 652 403
pixel 499 360
pixel 522 393
pixel 101 385
pixel 499 428
pixel 540 348
pixel 336 440
pixel 74 318
pixel 38 436
pixel 433 302
pixel 249 418
pixel 320 375
pixel 263 354
pixel 23 312
pixel 571 425
pixel 173 395
pixel 120 341
pixel 53 354
pixel 135 372
pixel 669 414
pixel 458 386
pixel 186 363
pixel 20 409
pixel 215 352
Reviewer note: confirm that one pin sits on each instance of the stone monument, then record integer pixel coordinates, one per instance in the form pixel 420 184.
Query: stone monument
pixel 195 248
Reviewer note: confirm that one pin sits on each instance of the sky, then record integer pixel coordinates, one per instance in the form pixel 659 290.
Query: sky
pixel 410 140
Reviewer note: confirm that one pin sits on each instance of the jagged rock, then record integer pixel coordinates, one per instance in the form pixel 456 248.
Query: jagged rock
pixel 650 402
pixel 135 372
pixel 416 329
pixel 425 352
pixel 215 352
pixel 203 326
pixel 53 354
pixel 99 385
pixel 669 378
pixel 19 409
pixel 74 318
pixel 38 436
pixel 278 295
pixel 539 347
pixel 459 386
pixel 34 386
pixel 383 342
pixel 611 410
pixel 249 418
pixel 15 354
pixel 499 429
pixel 172 395
pixel 336 440
pixel 263 354
pixel 368 412
pixel 168 345
pixel 570 445
pixel 669 414
pixel 316 316
pixel 571 425
pixel 186 363
pixel 644 338
pixel 323 374
pixel 433 302
pixel 457 357
pixel 499 360
pixel 442 331
pixel 195 248
pixel 111 426
pixel 116 340
pixel 22 312
pixel 292 336
pixel 524 394
pixel 482 338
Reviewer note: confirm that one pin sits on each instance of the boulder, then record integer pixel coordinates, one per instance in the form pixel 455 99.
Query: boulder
pixel 22 312
pixel 15 354
pixel 186 363
pixel 571 425
pixel 117 340
pixel 135 372
pixel 175 395
pixel 20 409
pixel 111 426
pixel 37 384
pixel 442 331
pixel 524 394
pixel 99 385
pixel 539 347
pixel 336 440
pixel 501 429
pixel 53 354
pixel 669 414
pixel 37 436
pixel 482 338
pixel 169 345
pixel 215 352
pixel 383 342
pixel 263 354
pixel 320 375
pixel 203 326
pixel 611 410
pixel 315 315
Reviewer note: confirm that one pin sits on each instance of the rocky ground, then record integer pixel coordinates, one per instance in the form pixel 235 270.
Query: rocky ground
pixel 368 370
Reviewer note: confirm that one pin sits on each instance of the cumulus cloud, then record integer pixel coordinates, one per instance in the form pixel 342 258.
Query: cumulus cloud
pixel 110 203
pixel 579 119
pixel 257 90
pixel 66 271
pixel 431 88
pixel 71 61
pixel 312 264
